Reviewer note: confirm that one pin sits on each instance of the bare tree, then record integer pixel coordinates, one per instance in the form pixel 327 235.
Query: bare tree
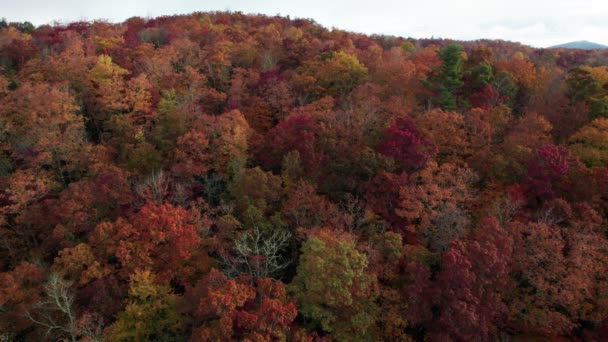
pixel 5 337
pixel 56 314
pixel 505 209
pixel 549 216
pixel 258 254
pixel 154 187
pixel 180 194
pixel 355 210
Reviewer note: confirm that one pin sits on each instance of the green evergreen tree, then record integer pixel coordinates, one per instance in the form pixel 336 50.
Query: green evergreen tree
pixel 449 77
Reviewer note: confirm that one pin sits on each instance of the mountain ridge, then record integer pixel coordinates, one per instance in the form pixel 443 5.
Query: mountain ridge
pixel 580 44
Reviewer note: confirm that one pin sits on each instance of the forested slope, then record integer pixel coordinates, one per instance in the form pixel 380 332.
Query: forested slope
pixel 220 176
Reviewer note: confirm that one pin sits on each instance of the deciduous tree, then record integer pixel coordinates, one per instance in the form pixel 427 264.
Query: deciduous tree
pixel 333 288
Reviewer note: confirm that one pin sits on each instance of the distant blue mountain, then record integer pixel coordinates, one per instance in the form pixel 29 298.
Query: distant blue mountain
pixel 581 44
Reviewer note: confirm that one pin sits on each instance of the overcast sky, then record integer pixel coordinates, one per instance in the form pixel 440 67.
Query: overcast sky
pixel 538 23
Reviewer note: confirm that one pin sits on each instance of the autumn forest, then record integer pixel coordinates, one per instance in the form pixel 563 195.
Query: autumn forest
pixel 228 177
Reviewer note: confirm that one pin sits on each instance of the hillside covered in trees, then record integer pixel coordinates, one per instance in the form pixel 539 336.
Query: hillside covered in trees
pixel 224 177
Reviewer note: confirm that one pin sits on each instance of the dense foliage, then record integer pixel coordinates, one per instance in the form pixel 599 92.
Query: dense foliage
pixel 220 176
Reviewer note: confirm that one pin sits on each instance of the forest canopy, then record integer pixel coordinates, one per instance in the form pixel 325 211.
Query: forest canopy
pixel 222 177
